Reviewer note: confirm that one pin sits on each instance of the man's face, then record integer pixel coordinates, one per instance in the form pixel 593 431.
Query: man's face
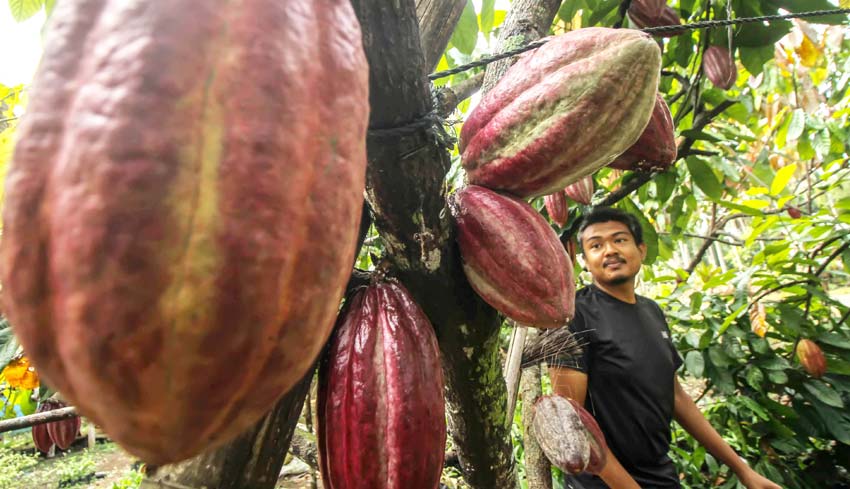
pixel 611 254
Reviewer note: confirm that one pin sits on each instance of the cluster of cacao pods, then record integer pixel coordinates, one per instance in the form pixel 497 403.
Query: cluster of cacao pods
pixel 380 404
pixel 576 104
pixel 161 267
pixel 569 435
pixel 61 433
pixel 654 13
pixel 811 357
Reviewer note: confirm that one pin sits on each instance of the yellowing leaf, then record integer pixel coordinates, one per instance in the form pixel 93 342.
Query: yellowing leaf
pixel 808 52
pixel 758 321
pixel 20 374
pixel 844 3
pixel 783 176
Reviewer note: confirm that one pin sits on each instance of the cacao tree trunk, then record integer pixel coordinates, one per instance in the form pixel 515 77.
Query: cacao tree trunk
pixel 253 460
pixel 527 20
pixel 538 470
pixel 405 189
pixel 437 21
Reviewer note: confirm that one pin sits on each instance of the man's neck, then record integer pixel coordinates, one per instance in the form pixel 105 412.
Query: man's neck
pixel 624 292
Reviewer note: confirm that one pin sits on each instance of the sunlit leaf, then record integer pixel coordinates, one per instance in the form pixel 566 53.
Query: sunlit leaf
pixel 486 17
pixel 24 9
pixel 703 177
pixel 466 33
pixel 783 176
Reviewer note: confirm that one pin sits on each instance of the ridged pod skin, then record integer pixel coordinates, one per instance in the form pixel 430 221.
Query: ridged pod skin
pixel 656 148
pixel 811 358
pixel 513 259
pixel 380 404
pixel 556 206
pixel 719 67
pixel 561 434
pixel 562 111
pixel 643 17
pixel 581 191
pixel 646 9
pixel 596 439
pixel 182 207
pixel 40 436
pixel 64 432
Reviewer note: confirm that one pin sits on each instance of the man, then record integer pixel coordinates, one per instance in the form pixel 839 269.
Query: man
pixel 626 375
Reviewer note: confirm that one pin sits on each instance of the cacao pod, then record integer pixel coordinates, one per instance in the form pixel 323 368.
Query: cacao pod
pixel 582 190
pixel 40 436
pixel 161 267
pixel 642 18
pixel 64 432
pixel 656 147
pixel 513 259
pixel 640 10
pixel 719 67
pixel 556 206
pixel 811 357
pixel 794 213
pixel 380 406
pixel 562 111
pixel 568 435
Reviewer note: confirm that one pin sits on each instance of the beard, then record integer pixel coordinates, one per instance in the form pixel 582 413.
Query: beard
pixel 619 280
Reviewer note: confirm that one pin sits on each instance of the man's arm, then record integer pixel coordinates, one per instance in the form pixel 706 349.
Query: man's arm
pixel 567 382
pixel 689 416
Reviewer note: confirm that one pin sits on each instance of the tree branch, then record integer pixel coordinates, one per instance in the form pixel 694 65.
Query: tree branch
pixel 448 98
pixel 38 418
pixel 437 22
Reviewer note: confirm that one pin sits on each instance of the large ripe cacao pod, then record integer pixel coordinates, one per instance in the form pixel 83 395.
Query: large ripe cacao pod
pixel 581 190
pixel 556 206
pixel 645 9
pixel 513 259
pixel 719 67
pixel 568 435
pixel 40 436
pixel 656 147
pixel 644 16
pixel 811 357
pixel 182 207
pixel 380 405
pixel 562 111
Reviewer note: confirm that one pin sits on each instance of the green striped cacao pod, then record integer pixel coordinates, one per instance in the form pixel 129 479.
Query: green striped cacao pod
pixel 182 207
pixel 562 111
pixel 513 259
pixel 380 408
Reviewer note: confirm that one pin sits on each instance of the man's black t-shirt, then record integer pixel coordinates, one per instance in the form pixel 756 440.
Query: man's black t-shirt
pixel 630 363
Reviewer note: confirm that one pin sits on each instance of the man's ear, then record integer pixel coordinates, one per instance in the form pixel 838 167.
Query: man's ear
pixel 642 248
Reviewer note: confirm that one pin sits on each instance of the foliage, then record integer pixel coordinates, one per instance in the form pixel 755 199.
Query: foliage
pixel 12 465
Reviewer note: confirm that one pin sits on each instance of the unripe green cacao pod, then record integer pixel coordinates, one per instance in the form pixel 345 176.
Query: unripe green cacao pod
pixel 182 207
pixel 513 259
pixel 562 111
pixel 380 404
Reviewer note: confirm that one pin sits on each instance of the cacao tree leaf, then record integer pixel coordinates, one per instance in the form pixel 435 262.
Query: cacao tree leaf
pixel 754 406
pixel 778 377
pixel 835 339
pixel 754 58
pixel 24 9
pixel 486 17
pixel 695 363
pixel 731 318
pixel 465 35
pixel 783 176
pixel 600 11
pixel 804 147
pixel 704 177
pixel 665 184
pixel 755 378
pixel 824 393
pixel 774 363
pixel 8 343
pixel 569 8
pixel 835 421
pixel 796 124
pixel 797 6
pixel 650 236
pixel 718 357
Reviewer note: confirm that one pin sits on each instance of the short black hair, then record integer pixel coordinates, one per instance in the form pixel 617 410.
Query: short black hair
pixel 608 214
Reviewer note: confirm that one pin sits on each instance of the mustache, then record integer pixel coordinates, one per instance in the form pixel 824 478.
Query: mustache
pixel 616 259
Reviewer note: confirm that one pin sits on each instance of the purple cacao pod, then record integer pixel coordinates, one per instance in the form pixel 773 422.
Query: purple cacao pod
pixel 666 15
pixel 513 259
pixel 380 405
pixel 581 191
pixel 562 111
pixel 719 67
pixel 656 148
pixel 556 206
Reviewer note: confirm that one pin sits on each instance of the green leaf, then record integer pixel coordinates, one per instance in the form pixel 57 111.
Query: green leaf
pixel 569 8
pixel 836 422
pixel 755 378
pixel 24 9
pixel 704 178
pixel 778 377
pixel 731 318
pixel 824 393
pixel 796 124
pixel 466 33
pixel 665 184
pixel 650 236
pixel 754 406
pixel 695 363
pixel 602 9
pixel 783 176
pixel 486 17
pixel 835 339
pixel 754 58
